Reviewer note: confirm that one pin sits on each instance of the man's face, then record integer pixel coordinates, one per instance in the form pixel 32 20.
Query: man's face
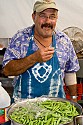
pixel 45 22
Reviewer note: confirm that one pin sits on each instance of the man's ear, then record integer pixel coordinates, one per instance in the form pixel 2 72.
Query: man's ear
pixel 33 17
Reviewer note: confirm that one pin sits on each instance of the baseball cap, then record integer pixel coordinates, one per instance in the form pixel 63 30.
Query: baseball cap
pixel 41 5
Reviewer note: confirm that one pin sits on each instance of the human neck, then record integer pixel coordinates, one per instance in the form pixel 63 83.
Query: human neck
pixel 43 41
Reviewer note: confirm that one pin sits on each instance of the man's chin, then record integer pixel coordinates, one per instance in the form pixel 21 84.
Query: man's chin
pixel 46 35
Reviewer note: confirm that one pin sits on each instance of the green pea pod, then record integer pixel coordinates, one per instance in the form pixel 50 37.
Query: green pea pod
pixel 49 121
pixel 58 121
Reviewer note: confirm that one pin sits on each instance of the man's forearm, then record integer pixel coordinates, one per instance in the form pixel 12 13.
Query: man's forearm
pixel 73 92
pixel 72 89
pixel 71 83
pixel 16 67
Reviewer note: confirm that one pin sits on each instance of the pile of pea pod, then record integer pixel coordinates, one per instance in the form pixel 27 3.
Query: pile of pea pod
pixel 47 112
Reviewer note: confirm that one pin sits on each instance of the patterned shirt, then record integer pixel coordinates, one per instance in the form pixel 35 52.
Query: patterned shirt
pixel 18 47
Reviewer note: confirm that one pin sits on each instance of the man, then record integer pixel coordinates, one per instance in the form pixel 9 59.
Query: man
pixel 41 58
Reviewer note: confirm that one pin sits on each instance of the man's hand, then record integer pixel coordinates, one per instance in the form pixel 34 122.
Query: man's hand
pixel 45 54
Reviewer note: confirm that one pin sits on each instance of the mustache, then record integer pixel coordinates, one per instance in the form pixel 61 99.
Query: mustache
pixel 47 25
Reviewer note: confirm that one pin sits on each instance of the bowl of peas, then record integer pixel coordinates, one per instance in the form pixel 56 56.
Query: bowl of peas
pixel 44 111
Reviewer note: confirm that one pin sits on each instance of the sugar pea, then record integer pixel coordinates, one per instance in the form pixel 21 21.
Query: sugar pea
pixel 49 121
pixel 47 112
pixel 58 121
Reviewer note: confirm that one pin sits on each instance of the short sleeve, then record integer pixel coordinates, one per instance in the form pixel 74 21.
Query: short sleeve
pixel 12 51
pixel 72 64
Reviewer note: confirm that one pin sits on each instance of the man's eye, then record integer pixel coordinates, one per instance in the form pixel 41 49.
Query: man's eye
pixel 42 16
pixel 52 17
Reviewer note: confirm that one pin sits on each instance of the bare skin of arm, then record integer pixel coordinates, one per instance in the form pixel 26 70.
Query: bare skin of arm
pixel 16 67
pixel 73 91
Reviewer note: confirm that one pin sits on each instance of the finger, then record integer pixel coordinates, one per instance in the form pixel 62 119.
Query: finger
pixel 49 50
pixel 49 53
pixel 47 57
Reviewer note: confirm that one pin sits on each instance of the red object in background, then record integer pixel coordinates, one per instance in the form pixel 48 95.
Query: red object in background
pixel 79 91
pixel 2 118
pixel 79 88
